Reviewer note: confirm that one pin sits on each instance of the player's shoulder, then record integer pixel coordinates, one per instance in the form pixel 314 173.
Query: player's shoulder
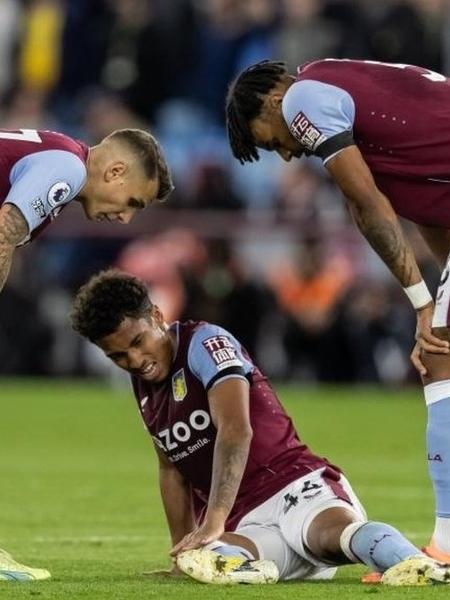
pixel 55 140
pixel 312 95
pixel 202 331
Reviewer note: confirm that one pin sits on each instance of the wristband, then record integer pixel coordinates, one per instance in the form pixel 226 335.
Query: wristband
pixel 418 294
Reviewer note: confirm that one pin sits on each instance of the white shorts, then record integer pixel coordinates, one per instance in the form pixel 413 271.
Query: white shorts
pixel 279 526
pixel 442 304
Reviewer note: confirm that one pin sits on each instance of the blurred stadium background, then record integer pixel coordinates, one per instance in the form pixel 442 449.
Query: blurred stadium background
pixel 266 250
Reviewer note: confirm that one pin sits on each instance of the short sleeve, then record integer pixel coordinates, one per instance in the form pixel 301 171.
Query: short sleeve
pixel 42 182
pixel 320 116
pixel 214 355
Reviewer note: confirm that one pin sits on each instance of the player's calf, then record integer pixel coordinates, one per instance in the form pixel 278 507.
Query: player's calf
pixel 437 398
pixel 336 536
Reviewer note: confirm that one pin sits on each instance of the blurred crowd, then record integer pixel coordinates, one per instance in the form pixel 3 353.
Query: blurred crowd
pixel 285 269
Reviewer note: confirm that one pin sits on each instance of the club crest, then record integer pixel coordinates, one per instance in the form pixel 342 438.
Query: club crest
pixel 179 387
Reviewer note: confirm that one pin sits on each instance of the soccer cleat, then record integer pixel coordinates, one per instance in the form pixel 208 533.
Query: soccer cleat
pixel 11 570
pixel 433 552
pixel 372 578
pixel 210 567
pixel 418 570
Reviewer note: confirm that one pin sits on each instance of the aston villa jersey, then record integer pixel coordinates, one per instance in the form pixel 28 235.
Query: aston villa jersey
pixel 40 172
pixel 176 414
pixel 399 117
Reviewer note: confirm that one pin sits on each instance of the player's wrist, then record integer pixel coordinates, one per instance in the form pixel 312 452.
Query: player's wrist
pixel 215 517
pixel 419 295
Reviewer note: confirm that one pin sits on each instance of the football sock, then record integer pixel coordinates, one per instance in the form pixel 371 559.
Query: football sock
pixel 377 545
pixel 229 550
pixel 437 397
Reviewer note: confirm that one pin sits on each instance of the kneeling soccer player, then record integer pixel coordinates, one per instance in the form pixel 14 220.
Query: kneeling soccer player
pixel 230 458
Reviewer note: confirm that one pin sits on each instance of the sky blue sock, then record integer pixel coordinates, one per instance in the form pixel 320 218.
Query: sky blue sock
pixel 438 444
pixel 380 546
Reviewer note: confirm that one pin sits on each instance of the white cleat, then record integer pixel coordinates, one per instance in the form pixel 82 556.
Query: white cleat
pixel 210 567
pixel 11 570
pixel 418 570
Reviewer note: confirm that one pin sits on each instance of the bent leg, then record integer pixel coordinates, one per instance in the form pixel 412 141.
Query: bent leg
pixel 336 536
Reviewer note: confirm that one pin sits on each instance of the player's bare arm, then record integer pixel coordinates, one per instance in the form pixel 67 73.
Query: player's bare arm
pixel 176 498
pixel 374 215
pixel 13 230
pixel 378 223
pixel 229 407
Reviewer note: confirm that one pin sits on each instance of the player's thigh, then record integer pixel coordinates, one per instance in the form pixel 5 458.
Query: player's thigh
pixel 313 495
pixel 438 365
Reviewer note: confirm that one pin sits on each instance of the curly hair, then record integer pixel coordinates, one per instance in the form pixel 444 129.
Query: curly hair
pixel 245 99
pixel 105 301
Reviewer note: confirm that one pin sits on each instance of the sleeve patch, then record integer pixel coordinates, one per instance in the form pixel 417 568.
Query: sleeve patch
pixel 306 133
pixel 222 351
pixel 58 193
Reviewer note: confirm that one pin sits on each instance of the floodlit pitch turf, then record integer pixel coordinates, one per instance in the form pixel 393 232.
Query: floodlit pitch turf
pixel 79 491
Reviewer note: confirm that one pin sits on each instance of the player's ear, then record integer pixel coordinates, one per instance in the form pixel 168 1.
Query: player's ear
pixel 274 100
pixel 157 315
pixel 115 170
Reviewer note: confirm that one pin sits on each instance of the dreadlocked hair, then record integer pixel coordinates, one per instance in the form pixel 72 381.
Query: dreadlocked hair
pixel 105 301
pixel 244 102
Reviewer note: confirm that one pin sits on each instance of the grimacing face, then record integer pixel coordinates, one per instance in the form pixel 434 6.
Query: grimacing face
pixel 269 129
pixel 143 347
pixel 121 192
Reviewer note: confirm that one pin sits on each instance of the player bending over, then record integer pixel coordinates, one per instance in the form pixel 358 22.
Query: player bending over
pixel 229 456
pixel 383 132
pixel 41 172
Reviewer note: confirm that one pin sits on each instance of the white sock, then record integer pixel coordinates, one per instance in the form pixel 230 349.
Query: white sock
pixel 441 535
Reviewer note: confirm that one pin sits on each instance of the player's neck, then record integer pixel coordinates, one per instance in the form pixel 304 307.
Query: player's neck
pixel 94 162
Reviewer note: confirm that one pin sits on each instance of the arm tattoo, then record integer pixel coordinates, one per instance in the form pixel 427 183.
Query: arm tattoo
pixel 387 239
pixel 230 459
pixel 13 230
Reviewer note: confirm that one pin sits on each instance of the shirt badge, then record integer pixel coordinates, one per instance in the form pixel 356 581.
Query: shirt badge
pixel 58 193
pixel 179 387
pixel 306 133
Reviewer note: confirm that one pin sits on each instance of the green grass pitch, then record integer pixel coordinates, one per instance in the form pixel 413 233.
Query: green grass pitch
pixel 79 491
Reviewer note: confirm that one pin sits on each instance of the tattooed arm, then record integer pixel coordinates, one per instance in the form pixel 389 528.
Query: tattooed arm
pixel 13 230
pixel 229 407
pixel 379 224
pixel 374 215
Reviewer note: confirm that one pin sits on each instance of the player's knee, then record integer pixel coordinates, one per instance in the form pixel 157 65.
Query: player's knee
pixel 323 537
pixel 437 365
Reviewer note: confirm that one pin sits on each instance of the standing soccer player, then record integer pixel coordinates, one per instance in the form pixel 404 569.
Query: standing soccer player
pixel 229 456
pixel 41 172
pixel 383 133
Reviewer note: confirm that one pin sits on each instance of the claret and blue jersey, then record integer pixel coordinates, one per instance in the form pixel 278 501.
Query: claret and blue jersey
pixel 40 172
pixel 399 117
pixel 176 414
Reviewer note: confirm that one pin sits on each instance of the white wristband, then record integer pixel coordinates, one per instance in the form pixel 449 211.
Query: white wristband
pixel 418 294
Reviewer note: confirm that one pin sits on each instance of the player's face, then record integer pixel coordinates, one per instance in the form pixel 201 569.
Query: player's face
pixel 143 347
pixel 119 194
pixel 269 129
